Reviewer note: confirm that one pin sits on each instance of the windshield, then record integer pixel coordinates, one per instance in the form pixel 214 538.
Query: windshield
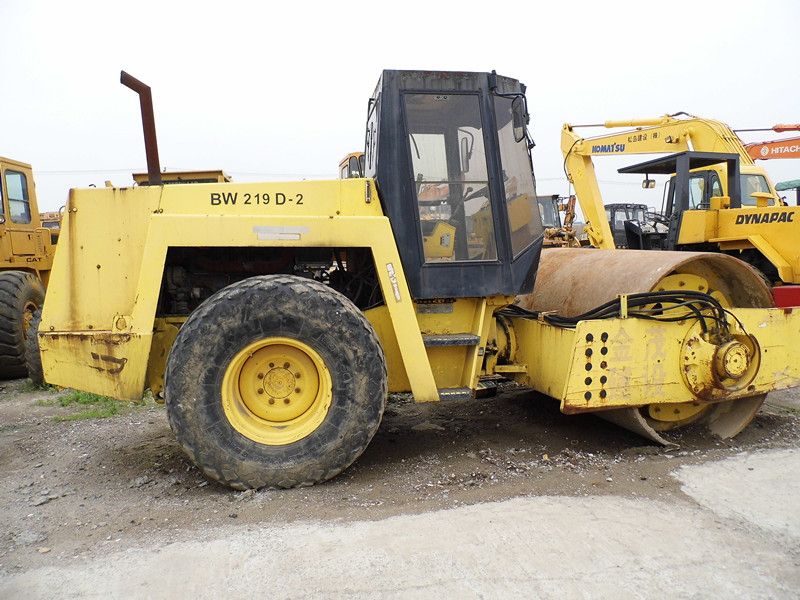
pixel 750 185
pixel 518 182
pixel 620 216
pixel 548 212
pixel 18 203
pixel 445 140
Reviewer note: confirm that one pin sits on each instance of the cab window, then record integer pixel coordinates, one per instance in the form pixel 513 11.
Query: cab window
pixel 445 142
pixel 2 206
pixel 716 186
pixel 518 183
pixel 353 167
pixel 750 185
pixel 548 213
pixel 697 186
pixel 620 216
pixel 17 192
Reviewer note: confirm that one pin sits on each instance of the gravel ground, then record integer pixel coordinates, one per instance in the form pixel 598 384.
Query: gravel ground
pixel 447 496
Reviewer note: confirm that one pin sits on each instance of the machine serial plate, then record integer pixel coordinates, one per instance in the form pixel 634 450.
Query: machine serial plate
pixel 258 199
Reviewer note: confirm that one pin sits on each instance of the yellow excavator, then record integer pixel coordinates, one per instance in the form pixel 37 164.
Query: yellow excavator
pixel 716 200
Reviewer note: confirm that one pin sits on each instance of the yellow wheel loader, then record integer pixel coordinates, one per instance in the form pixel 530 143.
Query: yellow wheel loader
pixel 276 317
pixel 26 256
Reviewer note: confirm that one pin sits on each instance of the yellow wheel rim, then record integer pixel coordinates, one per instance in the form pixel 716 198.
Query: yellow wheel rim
pixel 276 391
pixel 663 417
pixel 695 283
pixel 27 317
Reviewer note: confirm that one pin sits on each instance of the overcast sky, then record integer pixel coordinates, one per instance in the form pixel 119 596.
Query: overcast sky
pixel 269 90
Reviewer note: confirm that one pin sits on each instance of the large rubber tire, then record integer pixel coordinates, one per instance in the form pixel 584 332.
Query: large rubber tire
pixel 33 359
pixel 260 308
pixel 21 294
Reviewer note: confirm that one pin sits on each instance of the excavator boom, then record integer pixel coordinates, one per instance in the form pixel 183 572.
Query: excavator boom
pixel 662 135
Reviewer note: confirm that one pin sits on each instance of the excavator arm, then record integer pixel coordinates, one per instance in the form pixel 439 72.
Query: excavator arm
pixel 788 148
pixel 785 148
pixel 666 134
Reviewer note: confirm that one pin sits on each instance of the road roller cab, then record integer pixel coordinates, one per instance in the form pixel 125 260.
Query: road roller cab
pixel 275 317
pixel 450 157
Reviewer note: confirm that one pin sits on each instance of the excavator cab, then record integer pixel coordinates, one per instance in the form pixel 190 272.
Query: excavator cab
pixel 352 166
pixel 452 164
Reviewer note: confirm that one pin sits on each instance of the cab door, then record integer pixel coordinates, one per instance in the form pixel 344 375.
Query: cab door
pixel 21 225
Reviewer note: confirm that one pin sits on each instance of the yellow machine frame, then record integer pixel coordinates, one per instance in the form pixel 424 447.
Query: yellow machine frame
pixel 119 347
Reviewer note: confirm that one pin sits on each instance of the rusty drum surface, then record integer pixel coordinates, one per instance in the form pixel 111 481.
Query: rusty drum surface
pixel 572 281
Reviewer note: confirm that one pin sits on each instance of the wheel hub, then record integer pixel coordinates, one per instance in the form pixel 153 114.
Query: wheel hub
pixel 279 382
pixel 276 391
pixel 27 317
pixel 732 360
pixel 270 382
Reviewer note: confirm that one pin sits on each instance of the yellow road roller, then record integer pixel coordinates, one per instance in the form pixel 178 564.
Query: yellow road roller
pixel 276 317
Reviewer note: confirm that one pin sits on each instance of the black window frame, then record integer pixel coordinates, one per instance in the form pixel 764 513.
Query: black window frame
pixel 2 198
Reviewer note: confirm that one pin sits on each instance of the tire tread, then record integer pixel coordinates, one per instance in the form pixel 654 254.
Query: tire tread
pixel 231 470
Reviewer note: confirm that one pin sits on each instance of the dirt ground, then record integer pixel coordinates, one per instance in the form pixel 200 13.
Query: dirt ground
pixel 74 490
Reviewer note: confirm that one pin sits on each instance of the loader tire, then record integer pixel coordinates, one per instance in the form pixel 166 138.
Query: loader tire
pixel 33 359
pixel 240 383
pixel 21 294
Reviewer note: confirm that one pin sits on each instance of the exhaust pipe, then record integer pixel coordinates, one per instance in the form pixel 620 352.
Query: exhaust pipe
pixel 148 124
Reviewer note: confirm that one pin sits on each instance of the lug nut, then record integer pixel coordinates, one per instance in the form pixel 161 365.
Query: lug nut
pixel 296 390
pixel 271 365
pixel 286 401
pixel 285 365
pixel 260 391
pixel 260 376
pixel 272 400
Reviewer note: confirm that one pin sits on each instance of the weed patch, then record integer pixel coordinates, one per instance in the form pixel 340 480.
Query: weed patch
pixel 29 386
pixel 97 407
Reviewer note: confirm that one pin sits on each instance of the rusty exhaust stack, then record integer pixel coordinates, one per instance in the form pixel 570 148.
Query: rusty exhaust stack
pixel 148 124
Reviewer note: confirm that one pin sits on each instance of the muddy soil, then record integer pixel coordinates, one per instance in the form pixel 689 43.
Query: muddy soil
pixel 72 489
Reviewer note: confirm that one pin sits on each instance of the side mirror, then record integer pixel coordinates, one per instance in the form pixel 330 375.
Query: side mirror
pixel 648 184
pixel 2 219
pixel 520 118
pixel 465 155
